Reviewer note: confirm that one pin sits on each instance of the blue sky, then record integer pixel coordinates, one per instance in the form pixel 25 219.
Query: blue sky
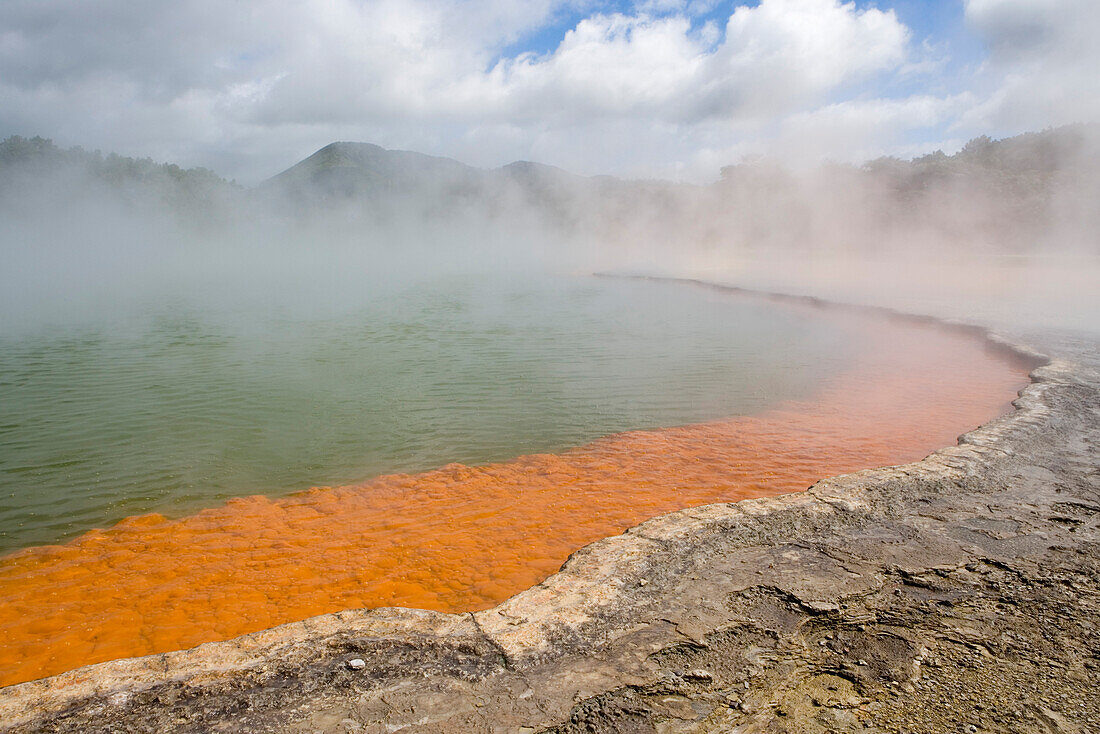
pixel 941 21
pixel 937 24
pixel 660 88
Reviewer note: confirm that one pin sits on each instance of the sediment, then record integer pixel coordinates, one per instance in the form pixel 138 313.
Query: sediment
pixel 957 593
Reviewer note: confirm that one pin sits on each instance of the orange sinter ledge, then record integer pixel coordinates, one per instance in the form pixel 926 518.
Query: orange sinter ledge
pixel 463 538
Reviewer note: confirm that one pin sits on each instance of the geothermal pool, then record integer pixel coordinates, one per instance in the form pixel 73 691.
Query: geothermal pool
pixel 443 444
pixel 186 403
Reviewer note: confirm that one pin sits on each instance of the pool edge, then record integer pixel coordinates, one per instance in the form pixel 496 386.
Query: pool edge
pixel 554 617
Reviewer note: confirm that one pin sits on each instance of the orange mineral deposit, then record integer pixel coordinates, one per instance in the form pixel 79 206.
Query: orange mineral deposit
pixel 463 538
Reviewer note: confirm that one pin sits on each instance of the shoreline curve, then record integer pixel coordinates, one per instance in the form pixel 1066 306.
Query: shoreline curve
pixel 556 617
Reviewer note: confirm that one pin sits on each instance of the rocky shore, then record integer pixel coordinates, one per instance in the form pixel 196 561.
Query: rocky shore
pixel 957 594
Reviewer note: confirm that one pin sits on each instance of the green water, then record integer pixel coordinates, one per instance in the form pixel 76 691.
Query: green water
pixel 176 403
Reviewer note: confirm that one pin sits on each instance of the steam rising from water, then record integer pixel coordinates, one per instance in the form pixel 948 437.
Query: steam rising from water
pixel 1007 228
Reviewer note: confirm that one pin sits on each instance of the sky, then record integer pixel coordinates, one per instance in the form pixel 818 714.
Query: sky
pixel 658 88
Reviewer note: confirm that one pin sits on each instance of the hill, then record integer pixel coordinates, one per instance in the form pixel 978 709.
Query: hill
pixel 36 171
pixel 1001 195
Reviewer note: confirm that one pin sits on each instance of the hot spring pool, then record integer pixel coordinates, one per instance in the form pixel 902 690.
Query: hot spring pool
pixel 192 402
pixel 462 435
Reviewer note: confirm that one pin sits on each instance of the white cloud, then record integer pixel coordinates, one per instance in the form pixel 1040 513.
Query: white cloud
pixel 1043 62
pixel 773 57
pixel 247 88
pixel 857 130
pixel 607 65
pixel 811 45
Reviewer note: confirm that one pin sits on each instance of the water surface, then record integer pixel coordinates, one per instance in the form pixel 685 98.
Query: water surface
pixel 173 403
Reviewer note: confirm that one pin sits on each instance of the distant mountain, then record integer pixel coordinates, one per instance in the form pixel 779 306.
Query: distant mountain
pixel 539 174
pixel 343 171
pixel 993 194
pixel 346 170
pixel 365 180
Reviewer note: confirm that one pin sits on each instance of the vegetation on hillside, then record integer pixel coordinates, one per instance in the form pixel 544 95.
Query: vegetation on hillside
pixel 1008 195
pixel 35 171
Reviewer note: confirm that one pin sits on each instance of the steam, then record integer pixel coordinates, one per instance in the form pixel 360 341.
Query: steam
pixel 1005 231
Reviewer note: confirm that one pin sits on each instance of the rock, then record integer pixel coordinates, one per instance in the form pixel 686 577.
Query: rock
pixel 822 606
pixel 356 664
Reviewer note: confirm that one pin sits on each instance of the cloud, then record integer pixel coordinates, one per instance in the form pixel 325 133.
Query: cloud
pixel 858 130
pixel 247 88
pixel 1042 65
pixel 802 48
pixel 772 58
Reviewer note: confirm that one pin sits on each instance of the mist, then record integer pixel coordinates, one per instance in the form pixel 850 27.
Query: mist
pixel 89 237
pixel 1003 231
